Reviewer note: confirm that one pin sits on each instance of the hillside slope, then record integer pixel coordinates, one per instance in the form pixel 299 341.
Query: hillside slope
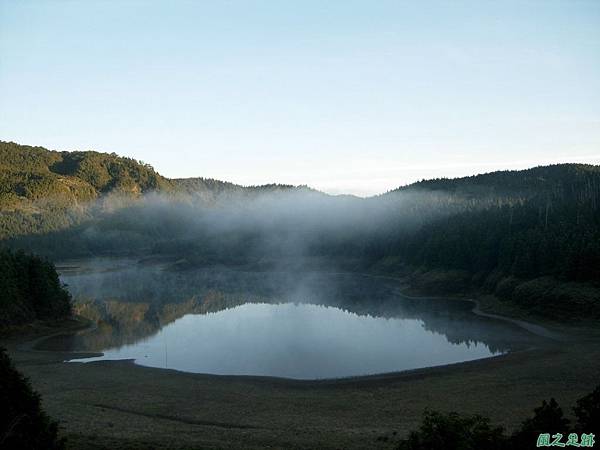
pixel 43 190
pixel 529 237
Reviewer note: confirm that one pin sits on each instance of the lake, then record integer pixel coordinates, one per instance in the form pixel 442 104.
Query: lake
pixel 301 325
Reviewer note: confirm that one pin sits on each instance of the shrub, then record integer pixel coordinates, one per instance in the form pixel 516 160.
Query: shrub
pixel 547 418
pixel 452 431
pixel 587 412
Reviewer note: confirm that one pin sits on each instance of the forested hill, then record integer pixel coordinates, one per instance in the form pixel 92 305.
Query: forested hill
pixel 527 236
pixel 34 173
pixel 575 181
pixel 535 241
pixel 209 189
pixel 43 191
pixel 36 180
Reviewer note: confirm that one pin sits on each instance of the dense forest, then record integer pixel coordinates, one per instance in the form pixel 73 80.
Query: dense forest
pixel 30 290
pixel 530 237
pixel 539 249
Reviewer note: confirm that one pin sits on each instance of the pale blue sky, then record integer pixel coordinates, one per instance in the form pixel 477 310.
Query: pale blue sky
pixel 346 96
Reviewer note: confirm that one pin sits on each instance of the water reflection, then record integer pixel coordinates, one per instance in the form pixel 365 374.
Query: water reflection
pixel 230 322
pixel 294 341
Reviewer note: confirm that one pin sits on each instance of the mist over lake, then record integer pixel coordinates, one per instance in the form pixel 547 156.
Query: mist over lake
pixel 304 325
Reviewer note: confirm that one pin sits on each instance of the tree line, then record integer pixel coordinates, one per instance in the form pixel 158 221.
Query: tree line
pixel 30 290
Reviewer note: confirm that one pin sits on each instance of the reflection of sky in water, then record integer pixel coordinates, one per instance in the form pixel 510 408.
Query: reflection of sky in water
pixel 295 341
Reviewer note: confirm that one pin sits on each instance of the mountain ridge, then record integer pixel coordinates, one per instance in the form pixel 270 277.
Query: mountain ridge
pixel 106 172
pixel 531 237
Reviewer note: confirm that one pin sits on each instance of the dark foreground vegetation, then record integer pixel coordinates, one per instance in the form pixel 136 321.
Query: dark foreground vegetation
pixel 30 290
pixel 23 423
pixel 453 431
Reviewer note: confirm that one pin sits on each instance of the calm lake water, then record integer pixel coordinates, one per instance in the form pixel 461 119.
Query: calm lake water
pixel 219 321
pixel 294 341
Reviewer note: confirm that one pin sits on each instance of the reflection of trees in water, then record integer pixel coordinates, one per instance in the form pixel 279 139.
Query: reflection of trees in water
pixel 450 318
pixel 133 304
pixel 122 323
pixel 480 331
